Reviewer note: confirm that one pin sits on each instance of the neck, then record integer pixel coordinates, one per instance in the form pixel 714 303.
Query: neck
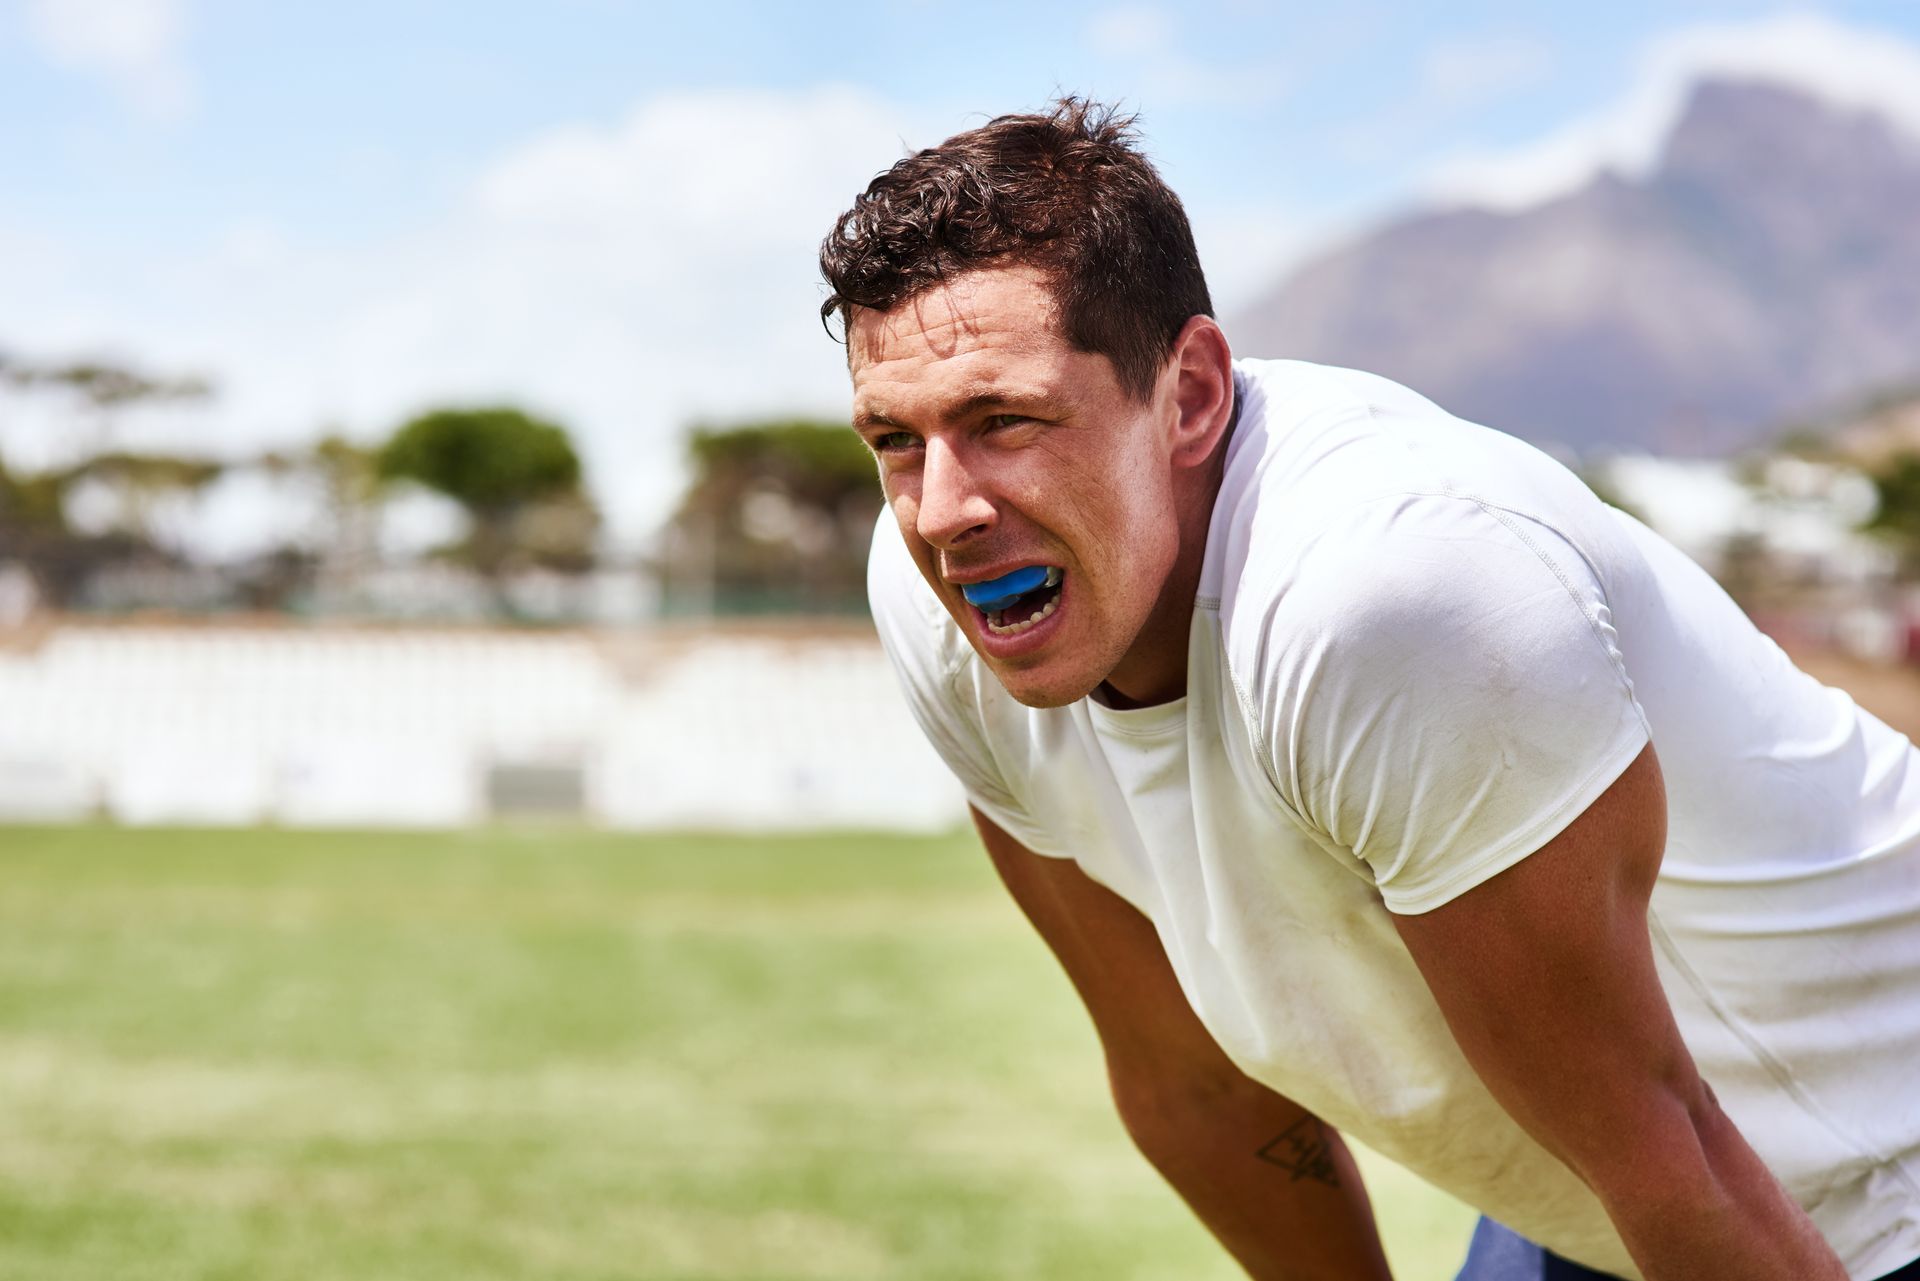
pixel 1155 669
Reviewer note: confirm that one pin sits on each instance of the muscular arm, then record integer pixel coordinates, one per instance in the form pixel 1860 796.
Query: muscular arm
pixel 1276 1186
pixel 1545 974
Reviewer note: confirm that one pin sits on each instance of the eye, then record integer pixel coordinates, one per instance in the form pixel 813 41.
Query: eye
pixel 1007 420
pixel 893 442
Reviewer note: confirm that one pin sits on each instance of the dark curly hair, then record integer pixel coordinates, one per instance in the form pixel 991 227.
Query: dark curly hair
pixel 1068 192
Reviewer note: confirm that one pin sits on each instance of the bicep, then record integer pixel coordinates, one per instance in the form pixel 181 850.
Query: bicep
pixel 1546 976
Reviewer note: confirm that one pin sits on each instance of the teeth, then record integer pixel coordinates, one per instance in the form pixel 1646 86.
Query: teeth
pixel 1014 629
pixel 1053 576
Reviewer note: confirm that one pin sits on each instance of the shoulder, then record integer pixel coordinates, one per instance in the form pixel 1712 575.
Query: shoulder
pixel 1327 435
pixel 1435 684
pixel 1404 573
pixel 1291 390
pixel 1352 500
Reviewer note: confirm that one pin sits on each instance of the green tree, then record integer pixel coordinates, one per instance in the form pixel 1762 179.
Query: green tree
pixel 1897 518
pixel 777 517
pixel 33 499
pixel 517 476
pixel 34 528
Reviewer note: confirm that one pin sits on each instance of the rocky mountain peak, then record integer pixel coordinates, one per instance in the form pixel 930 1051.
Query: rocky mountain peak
pixel 1767 268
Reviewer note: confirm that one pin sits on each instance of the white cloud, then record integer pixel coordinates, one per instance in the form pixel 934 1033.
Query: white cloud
pixel 1850 66
pixel 627 279
pixel 1245 249
pixel 642 276
pixel 1461 73
pixel 1625 138
pixel 133 44
pixel 1146 38
pixel 1450 78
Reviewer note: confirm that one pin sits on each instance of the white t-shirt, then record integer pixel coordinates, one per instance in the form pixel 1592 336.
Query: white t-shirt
pixel 1419 650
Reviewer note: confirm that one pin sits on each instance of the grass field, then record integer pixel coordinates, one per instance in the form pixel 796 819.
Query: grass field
pixel 270 1055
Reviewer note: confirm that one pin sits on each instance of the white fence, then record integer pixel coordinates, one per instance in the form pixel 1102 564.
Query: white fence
pixel 347 727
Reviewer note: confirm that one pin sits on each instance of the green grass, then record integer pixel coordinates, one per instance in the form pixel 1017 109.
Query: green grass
pixel 269 1055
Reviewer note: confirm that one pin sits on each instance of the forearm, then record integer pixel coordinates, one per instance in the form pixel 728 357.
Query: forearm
pixel 1278 1188
pixel 1275 1186
pixel 1705 1208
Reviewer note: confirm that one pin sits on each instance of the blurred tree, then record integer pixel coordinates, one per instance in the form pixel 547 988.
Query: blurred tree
pixel 1599 479
pixel 777 517
pixel 518 478
pixel 103 388
pixel 275 581
pixel 33 499
pixel 138 498
pixel 1896 483
pixel 104 385
pixel 35 533
pixel 127 490
pixel 141 486
pixel 558 532
pixel 347 477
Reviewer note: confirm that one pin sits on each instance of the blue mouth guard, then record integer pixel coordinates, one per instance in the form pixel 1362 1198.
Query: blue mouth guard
pixel 998 593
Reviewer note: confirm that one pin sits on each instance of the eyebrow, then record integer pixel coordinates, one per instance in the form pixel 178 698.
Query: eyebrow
pixel 872 418
pixel 965 407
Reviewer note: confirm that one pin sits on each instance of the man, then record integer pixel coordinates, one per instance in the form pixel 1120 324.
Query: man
pixel 1365 772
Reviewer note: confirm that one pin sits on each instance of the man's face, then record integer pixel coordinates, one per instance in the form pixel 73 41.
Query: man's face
pixel 1002 447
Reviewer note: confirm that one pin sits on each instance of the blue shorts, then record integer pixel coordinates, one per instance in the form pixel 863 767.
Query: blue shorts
pixel 1498 1254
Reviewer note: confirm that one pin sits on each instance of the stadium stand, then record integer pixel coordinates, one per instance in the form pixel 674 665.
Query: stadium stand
pixel 337 726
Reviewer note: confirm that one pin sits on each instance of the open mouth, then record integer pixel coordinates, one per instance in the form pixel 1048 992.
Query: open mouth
pixel 1016 602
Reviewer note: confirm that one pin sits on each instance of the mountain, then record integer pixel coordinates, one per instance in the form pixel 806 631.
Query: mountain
pixel 1767 269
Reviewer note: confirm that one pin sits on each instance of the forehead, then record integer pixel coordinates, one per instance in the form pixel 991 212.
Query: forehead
pixel 971 326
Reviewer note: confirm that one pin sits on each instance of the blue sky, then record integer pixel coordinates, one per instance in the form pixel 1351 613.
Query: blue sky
pixel 342 213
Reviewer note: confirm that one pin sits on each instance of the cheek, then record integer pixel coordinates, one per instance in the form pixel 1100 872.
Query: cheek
pixel 906 514
pixel 1137 507
pixel 905 508
pixel 1140 538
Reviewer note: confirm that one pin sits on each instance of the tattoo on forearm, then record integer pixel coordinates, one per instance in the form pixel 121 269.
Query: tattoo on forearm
pixel 1303 1152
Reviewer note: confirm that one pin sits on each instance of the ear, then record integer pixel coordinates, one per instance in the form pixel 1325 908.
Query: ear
pixel 1201 369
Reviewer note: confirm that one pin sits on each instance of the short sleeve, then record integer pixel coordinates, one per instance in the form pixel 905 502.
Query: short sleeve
pixel 943 685
pixel 1438 691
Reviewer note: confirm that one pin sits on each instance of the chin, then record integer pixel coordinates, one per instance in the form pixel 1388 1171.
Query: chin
pixel 1045 689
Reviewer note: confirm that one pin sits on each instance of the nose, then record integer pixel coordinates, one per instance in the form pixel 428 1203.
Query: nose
pixel 952 505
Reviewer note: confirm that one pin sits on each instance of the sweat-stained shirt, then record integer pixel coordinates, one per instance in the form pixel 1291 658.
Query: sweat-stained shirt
pixel 1419 650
